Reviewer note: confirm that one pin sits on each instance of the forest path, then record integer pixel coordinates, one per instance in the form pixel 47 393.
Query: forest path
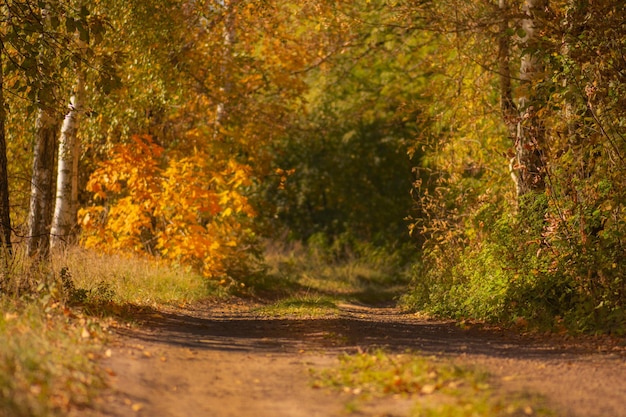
pixel 225 360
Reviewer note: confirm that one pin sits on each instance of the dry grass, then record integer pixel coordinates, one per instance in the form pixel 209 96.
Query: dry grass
pixel 47 350
pixel 372 276
pixel 132 280
pixel 53 326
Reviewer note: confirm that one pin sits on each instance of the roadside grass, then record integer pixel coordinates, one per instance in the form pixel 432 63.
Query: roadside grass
pixel 301 306
pixel 110 283
pixel 47 358
pixel 438 388
pixel 55 318
pixel 48 351
pixel 299 274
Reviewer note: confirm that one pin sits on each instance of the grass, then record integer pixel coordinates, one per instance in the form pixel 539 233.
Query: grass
pixel 54 322
pixel 47 357
pixel 437 388
pixel 301 306
pixel 127 280
pixel 304 274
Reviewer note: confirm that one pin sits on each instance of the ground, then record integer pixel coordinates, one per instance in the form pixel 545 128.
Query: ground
pixel 225 360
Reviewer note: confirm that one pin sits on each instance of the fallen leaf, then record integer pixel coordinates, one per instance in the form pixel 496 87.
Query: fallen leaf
pixel 10 316
pixel 428 389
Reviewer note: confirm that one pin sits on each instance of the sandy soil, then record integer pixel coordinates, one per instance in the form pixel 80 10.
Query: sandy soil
pixel 224 360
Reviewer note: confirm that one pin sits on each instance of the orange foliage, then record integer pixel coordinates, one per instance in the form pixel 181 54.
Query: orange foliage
pixel 184 209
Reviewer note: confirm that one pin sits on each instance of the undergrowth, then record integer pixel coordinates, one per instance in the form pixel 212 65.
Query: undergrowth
pixel 325 272
pixel 301 306
pixel 54 319
pixel 48 351
pixel 515 266
pixel 101 280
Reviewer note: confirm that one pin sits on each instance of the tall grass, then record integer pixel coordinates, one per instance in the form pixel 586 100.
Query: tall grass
pixel 47 358
pixel 133 280
pixel 47 351
pixel 50 339
pixel 344 271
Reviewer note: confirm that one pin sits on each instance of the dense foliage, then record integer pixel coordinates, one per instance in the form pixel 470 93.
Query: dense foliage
pixel 553 255
pixel 208 125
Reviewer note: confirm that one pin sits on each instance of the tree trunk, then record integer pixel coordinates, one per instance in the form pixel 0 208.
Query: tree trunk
pixel 524 125
pixel 510 113
pixel 42 186
pixel 5 210
pixel 66 204
pixel 222 112
pixel 529 166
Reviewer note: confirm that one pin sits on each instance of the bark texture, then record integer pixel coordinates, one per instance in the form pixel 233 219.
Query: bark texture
pixel 522 119
pixel 5 210
pixel 66 202
pixel 230 39
pixel 42 186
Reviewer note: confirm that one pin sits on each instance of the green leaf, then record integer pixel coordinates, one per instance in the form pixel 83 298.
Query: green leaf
pixel 70 25
pixel 83 33
pixel 55 22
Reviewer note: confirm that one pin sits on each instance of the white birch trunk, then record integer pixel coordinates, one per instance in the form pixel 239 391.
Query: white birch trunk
pixel 227 64
pixel 66 203
pixel 530 139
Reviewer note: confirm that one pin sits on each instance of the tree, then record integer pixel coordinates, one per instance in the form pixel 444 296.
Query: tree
pixel 529 169
pixel 350 174
pixel 546 249
pixel 66 205
pixel 46 130
pixel 230 38
pixel 42 184
pixel 249 88
pixel 5 212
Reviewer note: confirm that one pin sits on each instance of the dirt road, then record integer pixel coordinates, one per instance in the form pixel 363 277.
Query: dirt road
pixel 224 361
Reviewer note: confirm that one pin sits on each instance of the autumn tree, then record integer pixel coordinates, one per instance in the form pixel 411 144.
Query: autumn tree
pixel 350 172
pixel 66 203
pixel 85 54
pixel 226 86
pixel 543 247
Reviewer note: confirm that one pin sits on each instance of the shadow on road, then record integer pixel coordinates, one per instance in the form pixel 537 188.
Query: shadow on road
pixel 355 328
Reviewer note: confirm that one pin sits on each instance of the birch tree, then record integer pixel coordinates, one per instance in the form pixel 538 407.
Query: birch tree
pixel 529 169
pixel 66 203
pixel 227 61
